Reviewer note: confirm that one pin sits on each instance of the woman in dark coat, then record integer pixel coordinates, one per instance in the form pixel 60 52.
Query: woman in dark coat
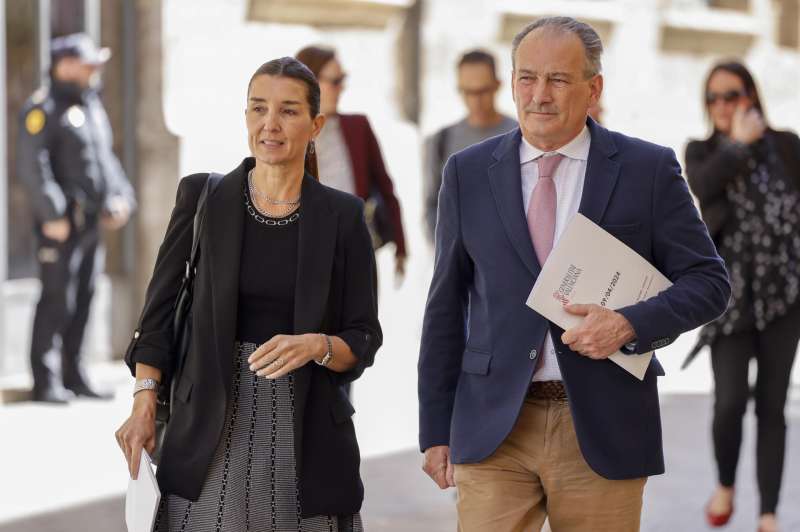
pixel 284 313
pixel 747 179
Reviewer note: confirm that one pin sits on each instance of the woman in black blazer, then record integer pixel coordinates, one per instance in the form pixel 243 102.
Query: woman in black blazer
pixel 284 313
pixel 746 177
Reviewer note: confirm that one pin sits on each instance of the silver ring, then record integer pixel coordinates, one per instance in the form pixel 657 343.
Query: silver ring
pixel 278 362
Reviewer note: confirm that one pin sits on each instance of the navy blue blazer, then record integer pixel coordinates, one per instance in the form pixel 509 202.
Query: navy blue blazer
pixel 479 339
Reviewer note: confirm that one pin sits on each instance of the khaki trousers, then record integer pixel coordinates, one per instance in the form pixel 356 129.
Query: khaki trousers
pixel 539 472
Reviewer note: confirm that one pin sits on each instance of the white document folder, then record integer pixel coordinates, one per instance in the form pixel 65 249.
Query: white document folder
pixel 141 501
pixel 589 265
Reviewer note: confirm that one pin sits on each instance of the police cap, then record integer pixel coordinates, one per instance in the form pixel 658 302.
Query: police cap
pixel 78 45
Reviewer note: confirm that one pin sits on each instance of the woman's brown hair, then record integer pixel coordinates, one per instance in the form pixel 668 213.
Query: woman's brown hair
pixel 316 57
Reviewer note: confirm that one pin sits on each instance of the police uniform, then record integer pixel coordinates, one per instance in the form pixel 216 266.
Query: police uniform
pixel 66 160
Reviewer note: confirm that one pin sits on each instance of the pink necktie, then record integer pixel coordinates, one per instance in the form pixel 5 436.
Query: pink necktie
pixel 542 207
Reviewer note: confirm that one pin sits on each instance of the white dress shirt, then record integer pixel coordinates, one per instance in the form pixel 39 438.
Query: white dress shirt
pixel 333 157
pixel 569 178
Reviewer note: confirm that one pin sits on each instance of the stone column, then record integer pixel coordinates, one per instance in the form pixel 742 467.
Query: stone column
pixel 409 52
pixel 3 181
pixel 43 35
pixel 149 153
pixel 157 150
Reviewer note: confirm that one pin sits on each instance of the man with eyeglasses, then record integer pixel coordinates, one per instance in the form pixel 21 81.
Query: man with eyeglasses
pixel 478 85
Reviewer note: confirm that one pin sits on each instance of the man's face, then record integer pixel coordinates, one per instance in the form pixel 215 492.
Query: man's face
pixel 550 89
pixel 73 70
pixel 478 86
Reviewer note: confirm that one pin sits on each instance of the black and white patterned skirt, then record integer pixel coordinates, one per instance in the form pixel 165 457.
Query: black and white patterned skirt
pixel 252 483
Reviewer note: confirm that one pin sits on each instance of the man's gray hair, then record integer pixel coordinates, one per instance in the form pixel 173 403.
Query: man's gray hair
pixel 592 45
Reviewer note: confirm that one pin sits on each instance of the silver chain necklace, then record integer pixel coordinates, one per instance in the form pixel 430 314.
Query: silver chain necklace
pixel 264 217
pixel 257 193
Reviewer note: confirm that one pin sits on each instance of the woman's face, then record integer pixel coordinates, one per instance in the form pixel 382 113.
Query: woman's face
pixel 725 93
pixel 279 123
pixel 331 84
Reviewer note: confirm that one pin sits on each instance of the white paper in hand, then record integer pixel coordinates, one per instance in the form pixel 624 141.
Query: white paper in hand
pixel 141 501
pixel 588 265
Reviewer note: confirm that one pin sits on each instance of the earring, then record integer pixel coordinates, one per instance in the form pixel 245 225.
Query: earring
pixel 311 148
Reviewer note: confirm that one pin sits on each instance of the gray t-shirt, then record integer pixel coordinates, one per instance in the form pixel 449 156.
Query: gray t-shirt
pixel 442 145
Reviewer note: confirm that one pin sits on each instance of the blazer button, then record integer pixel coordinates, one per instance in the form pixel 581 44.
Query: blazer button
pixel 135 335
pixel 533 354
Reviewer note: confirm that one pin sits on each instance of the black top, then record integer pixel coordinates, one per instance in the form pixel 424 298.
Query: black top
pixel 267 275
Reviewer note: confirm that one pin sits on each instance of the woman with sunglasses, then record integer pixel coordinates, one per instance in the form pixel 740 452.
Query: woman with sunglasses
pixel 746 177
pixel 349 155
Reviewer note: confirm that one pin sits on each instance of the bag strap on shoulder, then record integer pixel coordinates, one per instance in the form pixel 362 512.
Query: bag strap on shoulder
pixel 200 215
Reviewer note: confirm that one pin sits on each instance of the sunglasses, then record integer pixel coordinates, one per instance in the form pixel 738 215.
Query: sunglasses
pixel 727 97
pixel 336 82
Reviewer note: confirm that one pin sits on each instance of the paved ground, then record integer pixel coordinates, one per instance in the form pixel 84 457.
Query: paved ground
pixel 63 473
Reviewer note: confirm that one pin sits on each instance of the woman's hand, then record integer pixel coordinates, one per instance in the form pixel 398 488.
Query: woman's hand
pixel 284 353
pixel 399 270
pixel 57 230
pixel 747 125
pixel 139 430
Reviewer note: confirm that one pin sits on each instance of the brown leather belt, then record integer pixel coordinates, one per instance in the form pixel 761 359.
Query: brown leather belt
pixel 551 390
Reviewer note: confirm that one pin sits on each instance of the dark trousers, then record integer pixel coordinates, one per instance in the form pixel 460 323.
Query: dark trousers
pixel 68 272
pixel 774 350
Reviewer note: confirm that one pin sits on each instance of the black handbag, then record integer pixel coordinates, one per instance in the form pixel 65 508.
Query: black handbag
pixel 181 321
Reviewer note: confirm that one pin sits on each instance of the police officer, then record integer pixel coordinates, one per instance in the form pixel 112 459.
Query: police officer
pixel 77 186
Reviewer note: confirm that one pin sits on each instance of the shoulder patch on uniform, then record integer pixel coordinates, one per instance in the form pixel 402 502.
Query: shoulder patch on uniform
pixel 34 121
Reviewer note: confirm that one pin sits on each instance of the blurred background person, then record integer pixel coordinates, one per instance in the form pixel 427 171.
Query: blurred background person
pixel 478 85
pixel 297 321
pixel 349 156
pixel 746 177
pixel 77 186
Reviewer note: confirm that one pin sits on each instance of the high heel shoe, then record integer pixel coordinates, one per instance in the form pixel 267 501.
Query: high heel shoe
pixel 718 520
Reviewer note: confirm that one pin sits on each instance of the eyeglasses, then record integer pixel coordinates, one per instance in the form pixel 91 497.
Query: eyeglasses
pixel 336 82
pixel 728 96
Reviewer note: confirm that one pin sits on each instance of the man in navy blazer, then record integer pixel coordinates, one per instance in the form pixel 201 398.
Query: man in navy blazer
pixel 529 421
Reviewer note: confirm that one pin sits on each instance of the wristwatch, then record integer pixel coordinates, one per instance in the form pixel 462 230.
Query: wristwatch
pixel 144 384
pixel 326 359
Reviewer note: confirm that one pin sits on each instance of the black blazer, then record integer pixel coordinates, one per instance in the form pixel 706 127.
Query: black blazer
pixel 335 294
pixel 712 163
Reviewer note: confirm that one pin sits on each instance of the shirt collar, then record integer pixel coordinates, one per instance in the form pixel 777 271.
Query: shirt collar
pixel 577 148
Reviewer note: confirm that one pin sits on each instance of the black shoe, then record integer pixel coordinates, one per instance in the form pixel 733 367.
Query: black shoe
pixel 86 392
pixel 53 396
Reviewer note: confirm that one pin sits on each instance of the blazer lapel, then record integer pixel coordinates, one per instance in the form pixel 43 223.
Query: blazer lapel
pixel 601 173
pixel 506 183
pixel 315 251
pixel 223 248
